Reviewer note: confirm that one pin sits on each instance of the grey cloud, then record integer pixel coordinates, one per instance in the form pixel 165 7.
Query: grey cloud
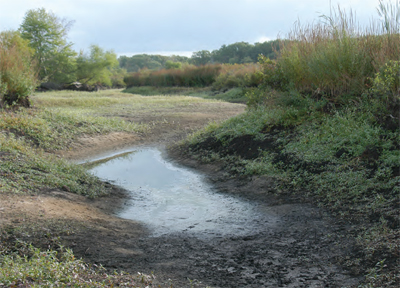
pixel 177 25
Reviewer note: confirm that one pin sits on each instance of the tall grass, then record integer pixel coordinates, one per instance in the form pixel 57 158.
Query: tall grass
pixel 220 76
pixel 337 56
pixel 190 76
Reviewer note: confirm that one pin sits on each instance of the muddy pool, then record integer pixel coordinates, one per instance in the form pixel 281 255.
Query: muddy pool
pixel 169 198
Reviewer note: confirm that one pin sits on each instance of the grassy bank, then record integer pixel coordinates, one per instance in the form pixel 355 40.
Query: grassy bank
pixel 325 125
pixel 233 95
pixel 27 137
pixel 344 161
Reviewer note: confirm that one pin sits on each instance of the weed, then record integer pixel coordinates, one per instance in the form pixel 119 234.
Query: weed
pixel 35 268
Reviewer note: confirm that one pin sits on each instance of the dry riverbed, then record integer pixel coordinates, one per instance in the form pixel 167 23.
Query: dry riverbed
pixel 304 248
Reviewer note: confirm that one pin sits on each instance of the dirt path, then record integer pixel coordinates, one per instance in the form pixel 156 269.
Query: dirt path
pixel 301 251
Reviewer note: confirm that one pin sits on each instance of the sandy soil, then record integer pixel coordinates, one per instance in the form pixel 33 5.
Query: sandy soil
pixel 302 251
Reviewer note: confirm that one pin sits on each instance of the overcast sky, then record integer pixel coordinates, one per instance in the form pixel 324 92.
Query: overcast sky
pixel 178 26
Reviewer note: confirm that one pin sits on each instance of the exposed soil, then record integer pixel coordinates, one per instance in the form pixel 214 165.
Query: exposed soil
pixel 303 250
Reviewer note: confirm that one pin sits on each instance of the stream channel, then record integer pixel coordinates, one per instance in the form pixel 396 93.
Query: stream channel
pixel 169 198
pixel 196 231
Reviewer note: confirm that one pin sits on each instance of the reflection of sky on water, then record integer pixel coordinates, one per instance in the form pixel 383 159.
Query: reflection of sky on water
pixel 174 199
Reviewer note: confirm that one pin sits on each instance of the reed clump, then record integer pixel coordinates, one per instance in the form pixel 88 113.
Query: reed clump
pixel 337 57
pixel 188 76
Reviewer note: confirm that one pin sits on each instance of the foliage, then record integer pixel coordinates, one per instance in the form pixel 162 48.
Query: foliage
pixel 387 82
pixel 36 268
pixel 17 72
pixel 173 65
pixel 238 75
pixel 202 57
pixel 221 77
pixel 27 136
pixel 189 76
pixel 344 160
pixel 139 62
pixel 97 67
pixel 46 34
pixel 236 53
pixel 273 75
pixel 243 52
pixel 335 58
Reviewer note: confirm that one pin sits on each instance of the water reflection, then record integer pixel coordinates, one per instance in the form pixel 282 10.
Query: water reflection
pixel 169 198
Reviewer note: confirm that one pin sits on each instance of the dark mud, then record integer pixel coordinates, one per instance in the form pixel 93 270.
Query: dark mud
pixel 305 247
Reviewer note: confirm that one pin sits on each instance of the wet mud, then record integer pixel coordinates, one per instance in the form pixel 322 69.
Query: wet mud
pixel 302 247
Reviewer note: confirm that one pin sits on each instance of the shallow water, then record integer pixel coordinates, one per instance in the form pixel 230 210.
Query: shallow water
pixel 169 198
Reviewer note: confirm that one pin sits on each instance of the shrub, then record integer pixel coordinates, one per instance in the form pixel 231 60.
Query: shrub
pixel 273 75
pixel 173 65
pixel 238 75
pixel 387 81
pixel 17 74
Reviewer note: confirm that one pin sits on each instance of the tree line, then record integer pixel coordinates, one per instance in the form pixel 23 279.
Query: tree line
pixel 236 53
pixel 39 54
pixel 45 34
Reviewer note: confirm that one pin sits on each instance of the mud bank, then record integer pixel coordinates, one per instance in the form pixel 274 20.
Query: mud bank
pixel 302 248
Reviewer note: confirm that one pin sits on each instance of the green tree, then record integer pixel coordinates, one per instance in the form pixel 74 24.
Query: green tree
pixel 201 57
pixel 173 65
pixel 97 67
pixel 47 34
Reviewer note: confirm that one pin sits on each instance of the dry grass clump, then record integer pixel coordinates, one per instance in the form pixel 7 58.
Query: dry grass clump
pixel 338 57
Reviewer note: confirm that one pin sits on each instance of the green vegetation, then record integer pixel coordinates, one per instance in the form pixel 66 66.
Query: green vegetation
pixel 99 67
pixel 40 54
pixel 46 34
pixel 240 52
pixel 325 123
pixel 226 70
pixel 58 269
pixel 139 62
pixel 46 59
pixel 227 82
pixel 234 95
pixel 323 120
pixel 236 53
pixel 17 73
pixel 189 76
pixel 28 134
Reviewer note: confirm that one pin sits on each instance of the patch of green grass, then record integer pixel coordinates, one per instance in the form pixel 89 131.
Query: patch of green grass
pixel 54 129
pixel 234 95
pixel 345 130
pixel 36 268
pixel 154 91
pixel 24 169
